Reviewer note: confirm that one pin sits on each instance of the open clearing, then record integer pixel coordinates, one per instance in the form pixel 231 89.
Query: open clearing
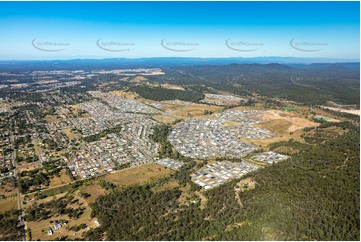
pixel 231 123
pixel 51 118
pixel 276 121
pixel 39 228
pixel 168 86
pixel 95 191
pixel 125 94
pixel 165 118
pixel 196 110
pixel 29 166
pixel 343 110
pixel 8 203
pixel 136 175
pixel 62 179
pixel 10 200
pixel 139 79
pixel 70 134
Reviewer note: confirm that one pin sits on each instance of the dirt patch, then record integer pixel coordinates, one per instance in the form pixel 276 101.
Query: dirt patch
pixel 343 110
pixel 264 143
pixel 281 120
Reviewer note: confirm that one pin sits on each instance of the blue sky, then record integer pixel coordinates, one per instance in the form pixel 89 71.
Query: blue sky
pixel 66 30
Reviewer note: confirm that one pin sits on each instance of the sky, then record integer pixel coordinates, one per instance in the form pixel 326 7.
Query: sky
pixel 68 30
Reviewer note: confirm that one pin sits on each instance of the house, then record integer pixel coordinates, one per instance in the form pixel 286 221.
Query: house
pixel 56 225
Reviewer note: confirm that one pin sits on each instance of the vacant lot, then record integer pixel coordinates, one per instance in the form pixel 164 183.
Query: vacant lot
pixel 276 121
pixel 95 191
pixel 29 166
pixel 165 118
pixel 195 110
pixel 125 94
pixel 7 197
pixel 8 203
pixel 62 179
pixel 70 134
pixel 137 175
pixel 51 118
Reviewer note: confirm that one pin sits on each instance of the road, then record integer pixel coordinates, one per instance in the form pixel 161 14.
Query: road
pixel 21 211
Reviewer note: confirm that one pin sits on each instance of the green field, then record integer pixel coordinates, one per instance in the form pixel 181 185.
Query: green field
pixel 290 108
pixel 324 118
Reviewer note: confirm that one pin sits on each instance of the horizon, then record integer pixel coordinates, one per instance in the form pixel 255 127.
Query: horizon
pixel 105 30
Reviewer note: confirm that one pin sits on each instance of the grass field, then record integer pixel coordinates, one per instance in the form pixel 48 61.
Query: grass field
pixel 51 118
pixel 8 203
pixel 70 134
pixel 231 123
pixel 29 166
pixel 125 94
pixel 290 108
pixel 63 179
pixel 136 175
pixel 165 118
pixel 324 118
pixel 94 190
pixel 195 110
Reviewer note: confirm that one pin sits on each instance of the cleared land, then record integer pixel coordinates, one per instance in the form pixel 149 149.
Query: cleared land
pixel 139 79
pixel 165 118
pixel 70 134
pixel 125 94
pixel 51 118
pixel 136 175
pixel 196 110
pixel 62 179
pixel 8 198
pixel 276 121
pixel 8 203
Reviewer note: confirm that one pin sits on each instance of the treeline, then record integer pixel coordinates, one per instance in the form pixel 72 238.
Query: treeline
pixel 160 94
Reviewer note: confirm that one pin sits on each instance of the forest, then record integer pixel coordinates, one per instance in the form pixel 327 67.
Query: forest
pixel 160 93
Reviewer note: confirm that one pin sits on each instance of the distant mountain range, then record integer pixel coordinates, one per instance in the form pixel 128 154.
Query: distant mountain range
pixel 113 63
